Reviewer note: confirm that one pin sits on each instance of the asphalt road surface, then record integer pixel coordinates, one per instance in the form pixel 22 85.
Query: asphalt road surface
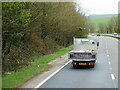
pixel 112 35
pixel 103 75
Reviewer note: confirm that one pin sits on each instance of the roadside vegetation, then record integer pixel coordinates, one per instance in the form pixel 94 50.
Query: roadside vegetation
pixel 110 27
pixel 106 24
pixel 13 80
pixel 113 26
pixel 35 33
pixel 95 21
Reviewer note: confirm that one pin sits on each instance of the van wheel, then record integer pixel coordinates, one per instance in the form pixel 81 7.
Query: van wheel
pixel 92 66
pixel 74 66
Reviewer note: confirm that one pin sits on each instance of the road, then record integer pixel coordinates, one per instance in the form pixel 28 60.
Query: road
pixel 103 75
pixel 118 36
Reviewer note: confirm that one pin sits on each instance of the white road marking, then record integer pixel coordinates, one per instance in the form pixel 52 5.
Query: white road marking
pixel 108 55
pixel 51 75
pixel 116 39
pixel 112 76
pixel 109 62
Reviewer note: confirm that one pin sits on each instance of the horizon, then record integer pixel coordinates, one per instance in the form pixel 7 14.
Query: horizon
pixel 89 7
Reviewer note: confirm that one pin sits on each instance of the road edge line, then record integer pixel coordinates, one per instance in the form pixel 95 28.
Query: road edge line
pixel 52 75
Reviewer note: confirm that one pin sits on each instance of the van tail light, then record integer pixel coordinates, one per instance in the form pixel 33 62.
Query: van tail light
pixel 73 63
pixel 91 63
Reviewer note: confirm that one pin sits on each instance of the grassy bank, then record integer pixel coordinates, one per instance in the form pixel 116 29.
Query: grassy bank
pixel 14 80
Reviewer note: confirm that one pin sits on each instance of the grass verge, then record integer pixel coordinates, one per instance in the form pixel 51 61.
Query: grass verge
pixel 14 80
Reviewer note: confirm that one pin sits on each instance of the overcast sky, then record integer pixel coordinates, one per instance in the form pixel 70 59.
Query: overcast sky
pixel 99 6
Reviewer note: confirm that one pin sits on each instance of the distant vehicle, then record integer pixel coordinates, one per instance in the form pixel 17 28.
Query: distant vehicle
pixel 115 34
pixel 98 34
pixel 84 53
pixel 93 34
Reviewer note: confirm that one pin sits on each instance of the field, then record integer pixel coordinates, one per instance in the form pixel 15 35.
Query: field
pixel 98 20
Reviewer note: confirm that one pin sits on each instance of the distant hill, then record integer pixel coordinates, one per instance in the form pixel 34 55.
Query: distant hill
pixel 102 15
pixel 103 18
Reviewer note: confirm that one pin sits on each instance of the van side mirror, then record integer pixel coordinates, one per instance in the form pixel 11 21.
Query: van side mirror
pixel 93 42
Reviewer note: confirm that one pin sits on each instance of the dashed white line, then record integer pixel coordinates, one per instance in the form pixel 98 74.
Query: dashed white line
pixel 52 75
pixel 109 62
pixel 112 76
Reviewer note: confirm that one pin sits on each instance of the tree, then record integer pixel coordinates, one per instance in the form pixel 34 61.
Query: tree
pixel 16 17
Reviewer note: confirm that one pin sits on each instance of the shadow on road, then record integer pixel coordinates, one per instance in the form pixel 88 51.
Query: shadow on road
pixel 82 67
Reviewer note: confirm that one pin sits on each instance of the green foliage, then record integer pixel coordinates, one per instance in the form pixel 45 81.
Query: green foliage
pixel 110 27
pixel 16 17
pixel 118 23
pixel 106 24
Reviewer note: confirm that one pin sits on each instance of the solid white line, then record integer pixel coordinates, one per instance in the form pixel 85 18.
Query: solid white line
pixel 51 75
pixel 112 76
pixel 116 39
pixel 109 62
